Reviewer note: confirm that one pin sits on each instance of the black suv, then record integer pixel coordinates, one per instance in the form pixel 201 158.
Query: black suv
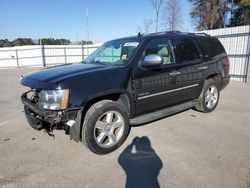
pixel 124 82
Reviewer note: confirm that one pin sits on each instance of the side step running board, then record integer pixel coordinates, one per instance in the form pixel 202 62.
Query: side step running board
pixel 161 113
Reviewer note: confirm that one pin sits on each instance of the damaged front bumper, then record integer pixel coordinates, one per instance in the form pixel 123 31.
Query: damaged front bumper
pixel 70 118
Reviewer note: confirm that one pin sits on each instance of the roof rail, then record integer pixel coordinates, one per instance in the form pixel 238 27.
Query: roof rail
pixel 202 33
pixel 157 33
pixel 174 32
pixel 178 32
pixel 167 32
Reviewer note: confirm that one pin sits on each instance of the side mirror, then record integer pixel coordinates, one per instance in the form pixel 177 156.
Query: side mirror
pixel 152 60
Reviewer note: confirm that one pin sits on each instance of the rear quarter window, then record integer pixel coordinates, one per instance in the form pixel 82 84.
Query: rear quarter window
pixel 212 46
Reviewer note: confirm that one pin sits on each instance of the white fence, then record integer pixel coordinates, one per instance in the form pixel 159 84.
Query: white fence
pixel 46 55
pixel 236 41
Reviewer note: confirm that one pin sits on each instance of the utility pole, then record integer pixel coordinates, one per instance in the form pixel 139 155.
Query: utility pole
pixel 87 28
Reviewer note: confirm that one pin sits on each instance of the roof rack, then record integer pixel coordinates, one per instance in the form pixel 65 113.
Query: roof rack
pixel 202 33
pixel 173 32
pixel 157 33
pixel 177 32
pixel 165 32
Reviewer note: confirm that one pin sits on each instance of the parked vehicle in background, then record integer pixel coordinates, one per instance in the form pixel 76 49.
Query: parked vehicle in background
pixel 127 81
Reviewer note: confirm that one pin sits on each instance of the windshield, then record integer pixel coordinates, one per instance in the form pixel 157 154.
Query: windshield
pixel 113 53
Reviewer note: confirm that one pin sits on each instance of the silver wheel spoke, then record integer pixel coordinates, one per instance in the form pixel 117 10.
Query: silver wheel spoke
pixel 100 125
pixel 101 137
pixel 117 124
pixel 207 98
pixel 109 117
pixel 112 138
pixel 212 90
pixel 210 103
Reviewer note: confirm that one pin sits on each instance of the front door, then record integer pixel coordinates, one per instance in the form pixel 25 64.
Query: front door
pixel 157 87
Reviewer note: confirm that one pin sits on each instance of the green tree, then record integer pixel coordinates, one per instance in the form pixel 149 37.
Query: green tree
pixel 246 5
pixel 84 42
pixel 23 42
pixel 52 41
pixel 6 43
pixel 240 13
pixel 245 2
pixel 209 14
pixel 212 14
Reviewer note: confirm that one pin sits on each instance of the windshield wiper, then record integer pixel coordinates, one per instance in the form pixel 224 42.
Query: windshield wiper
pixel 101 63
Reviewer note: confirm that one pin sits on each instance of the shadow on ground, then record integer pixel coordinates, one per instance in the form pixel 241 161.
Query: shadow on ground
pixel 141 164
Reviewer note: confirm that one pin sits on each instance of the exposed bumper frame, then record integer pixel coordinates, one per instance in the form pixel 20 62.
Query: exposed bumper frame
pixel 35 108
pixel 53 117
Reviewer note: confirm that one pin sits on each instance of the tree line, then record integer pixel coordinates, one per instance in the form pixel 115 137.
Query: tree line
pixel 206 14
pixel 43 41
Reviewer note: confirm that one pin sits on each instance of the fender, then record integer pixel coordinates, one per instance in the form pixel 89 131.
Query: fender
pixel 104 94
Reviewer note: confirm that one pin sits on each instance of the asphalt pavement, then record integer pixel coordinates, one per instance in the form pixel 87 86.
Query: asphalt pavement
pixel 187 150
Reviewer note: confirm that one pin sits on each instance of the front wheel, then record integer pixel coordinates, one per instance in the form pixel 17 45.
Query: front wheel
pixel 105 127
pixel 209 96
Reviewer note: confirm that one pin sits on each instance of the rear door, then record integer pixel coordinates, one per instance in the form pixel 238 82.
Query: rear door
pixel 190 59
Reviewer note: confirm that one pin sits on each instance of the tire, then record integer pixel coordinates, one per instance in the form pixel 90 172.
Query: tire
pixel 209 97
pixel 105 127
pixel 32 120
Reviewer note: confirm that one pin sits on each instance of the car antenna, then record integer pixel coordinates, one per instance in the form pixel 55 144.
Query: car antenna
pixel 140 34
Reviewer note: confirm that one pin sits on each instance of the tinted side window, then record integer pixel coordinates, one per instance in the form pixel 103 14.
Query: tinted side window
pixel 188 50
pixel 161 47
pixel 212 46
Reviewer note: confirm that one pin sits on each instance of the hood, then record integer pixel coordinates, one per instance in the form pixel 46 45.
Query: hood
pixel 49 77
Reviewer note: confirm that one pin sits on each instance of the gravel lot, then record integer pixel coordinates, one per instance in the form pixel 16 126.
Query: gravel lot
pixel 190 149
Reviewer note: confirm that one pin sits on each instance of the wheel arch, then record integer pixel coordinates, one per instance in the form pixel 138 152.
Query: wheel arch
pixel 122 97
pixel 217 77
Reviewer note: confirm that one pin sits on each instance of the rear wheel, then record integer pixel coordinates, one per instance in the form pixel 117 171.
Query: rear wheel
pixel 209 96
pixel 105 127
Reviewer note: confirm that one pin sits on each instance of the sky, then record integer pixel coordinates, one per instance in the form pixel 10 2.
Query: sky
pixel 108 19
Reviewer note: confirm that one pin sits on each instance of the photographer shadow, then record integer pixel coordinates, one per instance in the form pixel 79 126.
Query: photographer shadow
pixel 141 164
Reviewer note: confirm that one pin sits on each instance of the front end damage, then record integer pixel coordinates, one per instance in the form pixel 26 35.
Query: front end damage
pixel 69 120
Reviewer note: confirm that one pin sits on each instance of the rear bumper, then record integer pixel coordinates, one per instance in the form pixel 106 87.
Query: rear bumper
pixel 225 82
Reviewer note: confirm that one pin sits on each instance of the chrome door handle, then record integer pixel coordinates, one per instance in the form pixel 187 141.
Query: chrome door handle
pixel 202 68
pixel 174 73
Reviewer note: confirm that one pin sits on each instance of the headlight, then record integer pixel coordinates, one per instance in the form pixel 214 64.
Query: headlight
pixel 54 99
